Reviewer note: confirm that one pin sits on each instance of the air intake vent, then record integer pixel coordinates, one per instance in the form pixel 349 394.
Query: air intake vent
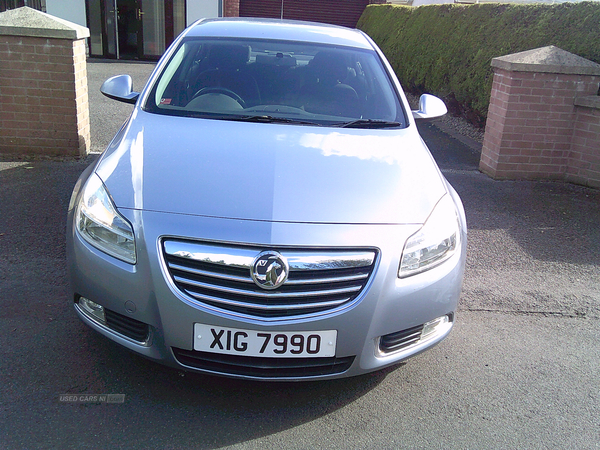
pixel 399 340
pixel 263 367
pixel 133 329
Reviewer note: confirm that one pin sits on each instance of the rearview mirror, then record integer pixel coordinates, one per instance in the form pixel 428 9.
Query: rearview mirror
pixel 120 88
pixel 430 107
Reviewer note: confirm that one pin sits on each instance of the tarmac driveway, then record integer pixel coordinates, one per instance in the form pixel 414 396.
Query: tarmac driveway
pixel 520 369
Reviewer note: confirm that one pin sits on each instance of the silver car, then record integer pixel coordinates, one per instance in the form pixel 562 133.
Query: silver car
pixel 269 210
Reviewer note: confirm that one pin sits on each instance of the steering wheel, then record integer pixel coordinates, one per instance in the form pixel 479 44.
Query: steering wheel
pixel 220 90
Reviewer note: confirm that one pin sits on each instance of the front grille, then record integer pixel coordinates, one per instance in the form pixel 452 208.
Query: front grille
pixel 263 367
pixel 133 329
pixel 220 276
pixel 400 339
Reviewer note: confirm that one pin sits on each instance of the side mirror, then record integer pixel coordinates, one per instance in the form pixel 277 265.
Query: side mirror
pixel 430 107
pixel 120 88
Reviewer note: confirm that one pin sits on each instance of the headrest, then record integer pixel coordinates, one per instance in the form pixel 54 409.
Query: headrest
pixel 229 56
pixel 329 65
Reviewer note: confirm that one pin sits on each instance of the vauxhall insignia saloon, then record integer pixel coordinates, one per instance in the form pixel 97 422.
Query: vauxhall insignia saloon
pixel 269 210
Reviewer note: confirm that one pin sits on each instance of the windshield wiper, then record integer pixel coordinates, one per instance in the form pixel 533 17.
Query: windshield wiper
pixel 272 119
pixel 369 123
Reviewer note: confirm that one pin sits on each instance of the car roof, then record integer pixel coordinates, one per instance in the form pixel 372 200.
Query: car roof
pixel 289 30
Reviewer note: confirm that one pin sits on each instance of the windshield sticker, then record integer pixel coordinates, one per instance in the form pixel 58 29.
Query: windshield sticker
pixel 165 101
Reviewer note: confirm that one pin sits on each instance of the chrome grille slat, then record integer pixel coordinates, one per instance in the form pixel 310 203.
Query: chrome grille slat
pixel 326 280
pixel 207 273
pixel 267 294
pixel 249 279
pixel 219 276
pixel 271 307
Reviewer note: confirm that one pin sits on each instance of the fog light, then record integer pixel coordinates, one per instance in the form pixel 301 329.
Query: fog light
pixel 435 327
pixel 92 309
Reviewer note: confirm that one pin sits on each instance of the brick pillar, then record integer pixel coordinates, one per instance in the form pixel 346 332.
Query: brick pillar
pixel 531 115
pixel 43 85
pixel 231 8
pixel 584 159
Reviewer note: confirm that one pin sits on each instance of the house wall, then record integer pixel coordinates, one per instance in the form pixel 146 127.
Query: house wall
pixel 74 10
pixel 335 12
pixel 71 10
pixel 198 9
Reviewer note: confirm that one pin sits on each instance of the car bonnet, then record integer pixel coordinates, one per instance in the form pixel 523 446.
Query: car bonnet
pixel 271 172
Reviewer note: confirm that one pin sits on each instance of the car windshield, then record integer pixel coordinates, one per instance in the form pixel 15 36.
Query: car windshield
pixel 277 81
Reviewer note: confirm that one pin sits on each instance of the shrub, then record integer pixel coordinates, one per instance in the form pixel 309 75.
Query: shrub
pixel 447 49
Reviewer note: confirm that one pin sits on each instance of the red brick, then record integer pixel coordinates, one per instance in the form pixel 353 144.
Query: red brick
pixel 538 120
pixel 40 93
pixel 54 50
pixel 515 82
pixel 520 91
pixel 565 147
pixel 515 159
pixel 4 128
pixel 16 107
pixel 500 98
pixel 58 65
pixel 232 8
pixel 530 99
pixel 517 106
pixel 587 135
pixel 24 49
pixel 560 124
pixel 543 92
pixel 15 124
pixel 66 111
pixel 60 76
pixel 541 107
pixel 594 128
pixel 560 100
pixel 35 74
pixel 532 84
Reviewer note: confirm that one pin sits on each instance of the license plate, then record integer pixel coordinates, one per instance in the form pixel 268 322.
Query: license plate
pixel 273 344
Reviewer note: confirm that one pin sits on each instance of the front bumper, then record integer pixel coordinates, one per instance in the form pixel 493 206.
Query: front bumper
pixel 381 328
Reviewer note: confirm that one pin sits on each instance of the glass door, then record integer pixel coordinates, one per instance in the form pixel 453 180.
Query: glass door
pixel 111 48
pixel 102 20
pixel 95 25
pixel 153 25
pixel 129 29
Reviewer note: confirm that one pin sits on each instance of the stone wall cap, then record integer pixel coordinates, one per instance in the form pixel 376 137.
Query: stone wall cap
pixel 30 22
pixel 549 59
pixel 588 102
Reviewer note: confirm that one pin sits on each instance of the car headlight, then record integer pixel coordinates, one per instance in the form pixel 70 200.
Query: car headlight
pixel 101 225
pixel 434 243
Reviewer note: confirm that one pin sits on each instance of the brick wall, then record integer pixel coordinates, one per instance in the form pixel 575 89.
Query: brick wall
pixel 584 159
pixel 534 129
pixel 43 96
pixel 231 8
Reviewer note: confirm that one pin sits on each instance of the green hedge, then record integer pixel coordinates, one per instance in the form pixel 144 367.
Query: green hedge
pixel 447 49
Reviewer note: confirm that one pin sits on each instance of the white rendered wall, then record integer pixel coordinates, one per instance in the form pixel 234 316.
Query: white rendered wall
pixel 71 10
pixel 200 9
